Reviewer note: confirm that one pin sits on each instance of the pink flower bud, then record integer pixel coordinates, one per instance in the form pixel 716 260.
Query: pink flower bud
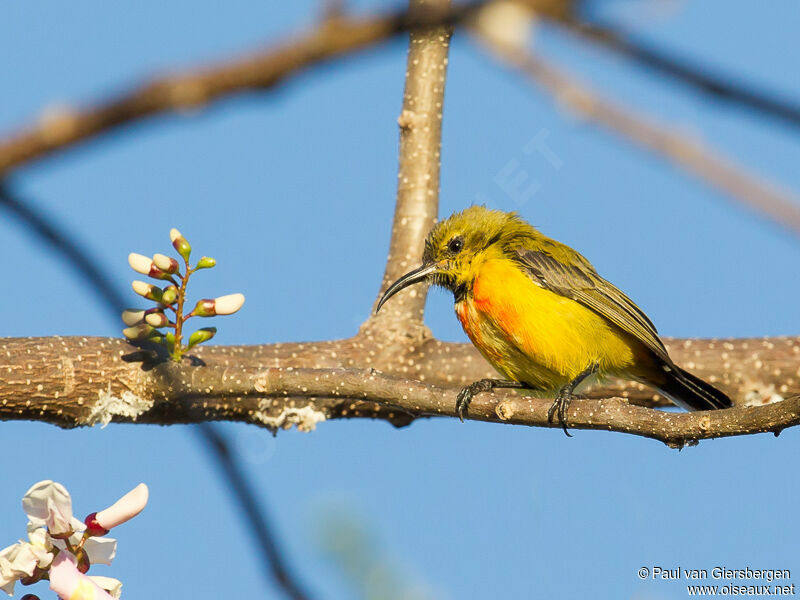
pixel 124 509
pixel 227 305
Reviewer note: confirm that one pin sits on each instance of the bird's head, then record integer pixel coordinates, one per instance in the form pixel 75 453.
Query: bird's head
pixel 455 247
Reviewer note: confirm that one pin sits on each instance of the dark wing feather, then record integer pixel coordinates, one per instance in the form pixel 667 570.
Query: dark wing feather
pixel 578 280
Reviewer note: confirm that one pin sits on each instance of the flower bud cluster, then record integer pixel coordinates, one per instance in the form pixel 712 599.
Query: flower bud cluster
pixel 163 324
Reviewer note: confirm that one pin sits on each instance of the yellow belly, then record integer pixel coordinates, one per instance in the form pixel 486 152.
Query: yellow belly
pixel 536 336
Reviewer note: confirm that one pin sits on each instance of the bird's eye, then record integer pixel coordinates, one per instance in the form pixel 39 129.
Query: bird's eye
pixel 455 245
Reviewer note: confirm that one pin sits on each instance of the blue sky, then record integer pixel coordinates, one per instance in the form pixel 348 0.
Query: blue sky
pixel 292 192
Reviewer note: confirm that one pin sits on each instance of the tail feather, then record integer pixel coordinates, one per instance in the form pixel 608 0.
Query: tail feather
pixel 691 392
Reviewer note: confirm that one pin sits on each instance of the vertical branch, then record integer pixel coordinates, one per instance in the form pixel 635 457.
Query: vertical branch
pixel 419 161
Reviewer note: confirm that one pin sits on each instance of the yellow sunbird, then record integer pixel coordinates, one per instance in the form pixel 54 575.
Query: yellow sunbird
pixel 541 315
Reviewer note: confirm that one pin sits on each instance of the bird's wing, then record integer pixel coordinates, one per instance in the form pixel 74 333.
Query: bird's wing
pixel 574 277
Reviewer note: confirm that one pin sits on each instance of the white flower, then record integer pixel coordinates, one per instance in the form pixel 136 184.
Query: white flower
pixel 58 542
pixel 41 544
pixel 16 561
pixel 48 504
pixel 174 234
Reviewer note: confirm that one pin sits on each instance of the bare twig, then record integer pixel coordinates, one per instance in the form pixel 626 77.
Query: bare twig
pixel 419 160
pixel 691 155
pixel 253 511
pixel 180 92
pixel 337 36
pixel 693 75
pixel 66 248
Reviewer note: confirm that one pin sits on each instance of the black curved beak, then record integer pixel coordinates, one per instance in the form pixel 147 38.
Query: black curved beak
pixel 410 278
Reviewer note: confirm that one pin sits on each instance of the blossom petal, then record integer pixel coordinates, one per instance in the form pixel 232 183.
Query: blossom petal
pixel 101 550
pixel 48 504
pixel 71 584
pixel 124 509
pixel 109 584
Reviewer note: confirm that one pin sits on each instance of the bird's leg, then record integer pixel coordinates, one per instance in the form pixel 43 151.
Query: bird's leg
pixel 483 385
pixel 561 403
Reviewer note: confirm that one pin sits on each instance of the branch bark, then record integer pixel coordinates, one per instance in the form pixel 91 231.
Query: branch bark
pixel 419 163
pixel 75 382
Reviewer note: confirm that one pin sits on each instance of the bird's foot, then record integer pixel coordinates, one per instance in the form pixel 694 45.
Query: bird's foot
pixel 465 395
pixel 561 405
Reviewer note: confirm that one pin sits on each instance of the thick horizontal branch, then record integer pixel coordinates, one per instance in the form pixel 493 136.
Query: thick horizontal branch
pixel 83 381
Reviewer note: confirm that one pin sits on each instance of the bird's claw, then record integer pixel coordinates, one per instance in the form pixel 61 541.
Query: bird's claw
pixel 466 394
pixel 561 404
pixel 462 402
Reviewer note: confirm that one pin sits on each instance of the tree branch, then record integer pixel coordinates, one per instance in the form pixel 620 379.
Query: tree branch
pixel 336 36
pixel 691 155
pixel 75 382
pixel 333 38
pixel 692 75
pixel 419 163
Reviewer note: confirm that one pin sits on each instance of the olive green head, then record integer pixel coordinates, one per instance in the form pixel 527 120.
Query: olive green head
pixel 454 245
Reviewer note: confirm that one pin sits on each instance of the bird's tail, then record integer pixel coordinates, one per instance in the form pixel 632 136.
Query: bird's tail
pixel 690 392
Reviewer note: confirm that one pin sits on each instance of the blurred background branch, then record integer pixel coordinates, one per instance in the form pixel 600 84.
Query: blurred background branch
pixel 682 150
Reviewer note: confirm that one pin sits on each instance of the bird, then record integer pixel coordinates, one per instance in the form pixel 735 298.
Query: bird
pixel 540 314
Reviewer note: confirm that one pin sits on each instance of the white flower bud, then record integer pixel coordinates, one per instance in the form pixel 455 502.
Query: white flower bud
pixel 138 332
pixel 156 319
pixel 139 263
pixel 132 316
pixel 174 234
pixel 165 263
pixel 227 305
pixel 142 288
